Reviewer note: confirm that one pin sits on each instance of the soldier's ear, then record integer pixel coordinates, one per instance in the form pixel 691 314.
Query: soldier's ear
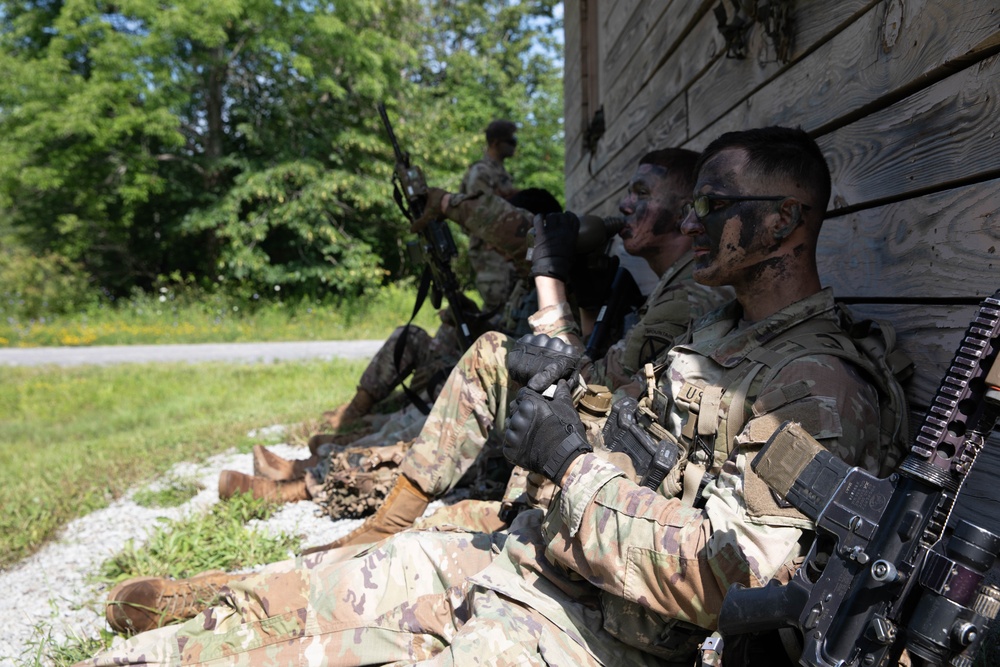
pixel 789 217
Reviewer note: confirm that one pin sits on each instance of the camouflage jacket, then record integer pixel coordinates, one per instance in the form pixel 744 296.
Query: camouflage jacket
pixel 489 176
pixel 654 563
pixel 496 253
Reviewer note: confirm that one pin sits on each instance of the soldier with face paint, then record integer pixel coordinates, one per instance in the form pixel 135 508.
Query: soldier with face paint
pixel 612 573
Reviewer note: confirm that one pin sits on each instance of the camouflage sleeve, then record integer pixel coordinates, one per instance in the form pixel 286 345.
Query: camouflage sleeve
pixel 557 322
pixel 496 221
pixel 831 400
pixel 653 551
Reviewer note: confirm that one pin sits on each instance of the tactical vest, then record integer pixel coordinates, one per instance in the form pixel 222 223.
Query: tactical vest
pixel 719 412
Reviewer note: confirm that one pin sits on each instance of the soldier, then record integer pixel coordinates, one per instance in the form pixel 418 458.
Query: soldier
pixel 612 573
pixel 477 391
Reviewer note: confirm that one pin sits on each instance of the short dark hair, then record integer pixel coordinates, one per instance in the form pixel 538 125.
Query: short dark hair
pixel 500 129
pixel 536 200
pixel 784 152
pixel 679 163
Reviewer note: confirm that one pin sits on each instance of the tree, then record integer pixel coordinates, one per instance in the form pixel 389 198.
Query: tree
pixel 239 138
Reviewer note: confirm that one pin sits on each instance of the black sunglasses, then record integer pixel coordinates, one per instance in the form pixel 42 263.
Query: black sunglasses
pixel 702 204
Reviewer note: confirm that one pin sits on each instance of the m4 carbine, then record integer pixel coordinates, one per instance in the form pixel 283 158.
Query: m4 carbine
pixel 881 575
pixel 436 248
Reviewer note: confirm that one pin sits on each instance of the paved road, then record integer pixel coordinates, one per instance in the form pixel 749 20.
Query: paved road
pixel 244 352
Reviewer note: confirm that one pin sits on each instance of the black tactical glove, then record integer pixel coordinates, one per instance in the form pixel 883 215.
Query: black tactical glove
pixel 555 241
pixel 545 436
pixel 537 361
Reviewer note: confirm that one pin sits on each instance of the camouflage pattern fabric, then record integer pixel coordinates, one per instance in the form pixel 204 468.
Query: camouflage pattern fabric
pixel 457 426
pixel 466 409
pixel 493 228
pixel 497 222
pixel 359 479
pixel 612 574
pixel 420 351
pixel 675 302
pixel 488 176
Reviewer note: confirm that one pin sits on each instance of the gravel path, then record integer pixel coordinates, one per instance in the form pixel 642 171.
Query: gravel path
pixel 48 598
pixel 245 352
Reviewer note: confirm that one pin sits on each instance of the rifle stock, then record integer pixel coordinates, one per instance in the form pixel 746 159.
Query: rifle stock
pixel 880 573
pixel 436 248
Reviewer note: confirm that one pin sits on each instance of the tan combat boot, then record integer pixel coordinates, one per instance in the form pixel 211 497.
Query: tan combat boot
pixel 269 465
pixel 350 413
pixel 232 482
pixel 144 603
pixel 405 503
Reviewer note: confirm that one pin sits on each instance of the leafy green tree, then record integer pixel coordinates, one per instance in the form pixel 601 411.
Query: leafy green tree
pixel 239 138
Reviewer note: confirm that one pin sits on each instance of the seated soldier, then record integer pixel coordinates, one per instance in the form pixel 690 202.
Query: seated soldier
pixel 613 573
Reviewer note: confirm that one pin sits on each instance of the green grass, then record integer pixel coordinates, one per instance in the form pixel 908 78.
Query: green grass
pixel 216 540
pixel 44 650
pixel 169 493
pixel 146 319
pixel 73 439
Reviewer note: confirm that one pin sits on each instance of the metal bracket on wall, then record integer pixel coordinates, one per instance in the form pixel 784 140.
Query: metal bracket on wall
pixel 594 131
pixel 592 135
pixel 775 16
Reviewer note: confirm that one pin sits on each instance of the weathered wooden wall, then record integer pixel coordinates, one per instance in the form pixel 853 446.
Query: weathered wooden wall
pixel 904 99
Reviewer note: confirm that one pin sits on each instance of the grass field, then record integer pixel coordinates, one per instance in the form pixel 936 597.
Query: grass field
pixel 171 318
pixel 72 439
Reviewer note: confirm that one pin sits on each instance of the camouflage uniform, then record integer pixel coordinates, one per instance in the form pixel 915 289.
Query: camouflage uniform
pixel 495 275
pixel 614 573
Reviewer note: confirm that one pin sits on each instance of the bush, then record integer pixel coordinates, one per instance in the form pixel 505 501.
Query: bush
pixel 32 286
pixel 284 229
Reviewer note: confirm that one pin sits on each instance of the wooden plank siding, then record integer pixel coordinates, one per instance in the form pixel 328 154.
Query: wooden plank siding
pixel 904 100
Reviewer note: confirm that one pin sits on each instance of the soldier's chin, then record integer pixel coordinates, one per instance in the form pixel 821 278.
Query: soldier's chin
pixel 704 275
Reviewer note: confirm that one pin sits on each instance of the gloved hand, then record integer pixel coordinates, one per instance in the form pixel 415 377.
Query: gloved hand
pixel 555 241
pixel 537 361
pixel 545 436
pixel 432 210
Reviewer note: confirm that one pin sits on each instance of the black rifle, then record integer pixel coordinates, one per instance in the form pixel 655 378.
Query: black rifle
pixel 437 246
pixel 881 575
pixel 612 314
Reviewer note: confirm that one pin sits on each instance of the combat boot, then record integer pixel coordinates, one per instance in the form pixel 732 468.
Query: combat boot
pixel 405 503
pixel 269 465
pixel 145 603
pixel 350 413
pixel 232 482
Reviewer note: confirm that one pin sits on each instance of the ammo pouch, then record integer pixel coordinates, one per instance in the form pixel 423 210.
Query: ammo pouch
pixel 652 458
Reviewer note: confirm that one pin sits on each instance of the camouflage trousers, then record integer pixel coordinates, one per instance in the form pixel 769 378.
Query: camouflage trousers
pixel 407 600
pixel 429 359
pixel 474 397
